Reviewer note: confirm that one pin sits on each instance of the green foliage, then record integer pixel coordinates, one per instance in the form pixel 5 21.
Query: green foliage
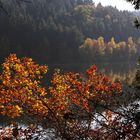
pixel 84 13
pixel 64 25
pixel 136 82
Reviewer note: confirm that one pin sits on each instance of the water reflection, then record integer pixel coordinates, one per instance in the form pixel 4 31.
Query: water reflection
pixel 124 71
pixel 127 77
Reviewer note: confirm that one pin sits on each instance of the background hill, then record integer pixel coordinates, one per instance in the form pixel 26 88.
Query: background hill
pixel 51 31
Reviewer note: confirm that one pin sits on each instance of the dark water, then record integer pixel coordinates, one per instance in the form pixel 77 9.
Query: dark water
pixel 116 70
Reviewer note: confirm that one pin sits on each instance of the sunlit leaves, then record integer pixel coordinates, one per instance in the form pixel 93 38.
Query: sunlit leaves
pixel 69 93
pixel 70 89
pixel 98 49
pixel 20 86
pixel 70 97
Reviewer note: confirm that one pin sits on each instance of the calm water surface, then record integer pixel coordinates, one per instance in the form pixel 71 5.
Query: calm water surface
pixel 116 70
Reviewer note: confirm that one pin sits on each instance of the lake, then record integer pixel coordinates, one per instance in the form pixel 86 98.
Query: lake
pixel 117 70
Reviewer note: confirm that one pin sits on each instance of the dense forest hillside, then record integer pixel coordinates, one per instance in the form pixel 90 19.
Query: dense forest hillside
pixel 51 31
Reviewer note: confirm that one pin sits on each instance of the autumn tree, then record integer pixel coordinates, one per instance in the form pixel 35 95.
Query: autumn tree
pixel 99 49
pixel 20 87
pixel 77 105
pixel 71 98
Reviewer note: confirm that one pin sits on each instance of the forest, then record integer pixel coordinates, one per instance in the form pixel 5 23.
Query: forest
pixel 68 105
pixel 99 50
pixel 58 30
